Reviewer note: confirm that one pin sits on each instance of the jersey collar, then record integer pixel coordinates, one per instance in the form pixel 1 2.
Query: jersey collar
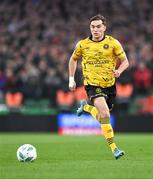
pixel 97 41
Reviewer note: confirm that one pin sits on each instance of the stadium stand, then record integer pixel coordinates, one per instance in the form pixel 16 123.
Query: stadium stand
pixel 37 38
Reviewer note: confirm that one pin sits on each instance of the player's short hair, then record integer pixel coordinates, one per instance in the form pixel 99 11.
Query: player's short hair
pixel 98 17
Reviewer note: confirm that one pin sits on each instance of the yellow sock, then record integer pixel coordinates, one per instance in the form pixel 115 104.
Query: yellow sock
pixel 106 126
pixel 92 110
pixel 109 135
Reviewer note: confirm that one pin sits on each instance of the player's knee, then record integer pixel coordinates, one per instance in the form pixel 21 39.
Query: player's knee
pixel 104 118
pixel 105 115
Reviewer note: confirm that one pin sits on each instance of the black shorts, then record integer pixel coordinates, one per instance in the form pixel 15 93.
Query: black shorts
pixel 96 91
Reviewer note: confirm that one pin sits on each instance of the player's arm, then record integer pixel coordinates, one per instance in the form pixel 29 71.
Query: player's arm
pixel 73 65
pixel 72 70
pixel 124 64
pixel 121 57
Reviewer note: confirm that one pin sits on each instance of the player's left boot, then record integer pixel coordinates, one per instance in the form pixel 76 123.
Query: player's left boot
pixel 118 153
pixel 80 109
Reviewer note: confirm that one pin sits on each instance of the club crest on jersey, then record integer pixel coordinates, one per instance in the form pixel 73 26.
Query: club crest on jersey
pixel 106 46
pixel 98 90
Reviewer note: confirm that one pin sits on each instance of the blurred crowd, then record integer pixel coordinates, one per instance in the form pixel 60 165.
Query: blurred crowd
pixel 37 38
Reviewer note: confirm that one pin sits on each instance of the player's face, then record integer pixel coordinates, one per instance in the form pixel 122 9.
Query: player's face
pixel 97 29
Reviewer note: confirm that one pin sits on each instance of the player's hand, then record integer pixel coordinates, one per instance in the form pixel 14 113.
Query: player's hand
pixel 72 83
pixel 117 73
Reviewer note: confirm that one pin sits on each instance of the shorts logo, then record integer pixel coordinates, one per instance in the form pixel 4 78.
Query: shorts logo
pixel 106 46
pixel 98 90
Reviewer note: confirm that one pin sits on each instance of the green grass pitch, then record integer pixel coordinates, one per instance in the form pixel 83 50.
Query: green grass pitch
pixel 77 157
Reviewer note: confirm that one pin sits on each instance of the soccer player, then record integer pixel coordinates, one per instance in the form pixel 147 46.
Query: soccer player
pixel 100 54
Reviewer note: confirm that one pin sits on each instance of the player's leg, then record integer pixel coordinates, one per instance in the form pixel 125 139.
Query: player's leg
pixel 104 118
pixel 85 107
pixel 102 112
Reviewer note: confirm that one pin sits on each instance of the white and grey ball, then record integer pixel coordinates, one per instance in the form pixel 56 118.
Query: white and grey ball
pixel 26 153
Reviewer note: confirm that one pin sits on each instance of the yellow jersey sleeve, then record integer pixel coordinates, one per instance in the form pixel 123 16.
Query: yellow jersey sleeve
pixel 77 53
pixel 118 50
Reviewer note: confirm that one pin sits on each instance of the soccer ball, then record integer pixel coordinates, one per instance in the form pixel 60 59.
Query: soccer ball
pixel 26 153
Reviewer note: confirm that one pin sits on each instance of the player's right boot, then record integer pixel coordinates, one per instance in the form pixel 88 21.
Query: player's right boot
pixel 118 153
pixel 80 109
